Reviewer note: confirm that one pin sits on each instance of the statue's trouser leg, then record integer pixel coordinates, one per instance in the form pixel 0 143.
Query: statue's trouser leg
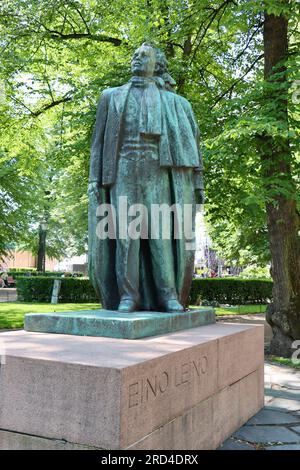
pixel 157 192
pixel 183 187
pixel 92 259
pixel 125 193
pixel 143 181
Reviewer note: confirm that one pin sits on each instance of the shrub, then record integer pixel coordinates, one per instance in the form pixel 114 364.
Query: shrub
pixel 39 289
pixel 21 270
pixel 27 272
pixel 232 291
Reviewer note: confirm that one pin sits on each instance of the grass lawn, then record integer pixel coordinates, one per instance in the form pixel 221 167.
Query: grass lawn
pixel 238 309
pixel 241 309
pixel 12 313
pixel 295 364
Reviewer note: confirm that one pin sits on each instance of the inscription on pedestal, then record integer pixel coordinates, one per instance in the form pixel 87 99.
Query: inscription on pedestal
pixel 150 388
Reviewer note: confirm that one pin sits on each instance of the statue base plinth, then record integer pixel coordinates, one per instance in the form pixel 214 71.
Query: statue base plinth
pixel 113 324
pixel 186 390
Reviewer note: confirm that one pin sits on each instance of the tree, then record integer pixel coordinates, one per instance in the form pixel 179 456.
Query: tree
pixel 256 157
pixel 281 207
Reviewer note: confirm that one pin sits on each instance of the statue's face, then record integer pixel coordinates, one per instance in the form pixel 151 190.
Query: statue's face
pixel 143 61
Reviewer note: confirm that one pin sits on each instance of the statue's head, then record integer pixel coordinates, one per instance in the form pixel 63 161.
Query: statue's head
pixel 161 64
pixel 143 61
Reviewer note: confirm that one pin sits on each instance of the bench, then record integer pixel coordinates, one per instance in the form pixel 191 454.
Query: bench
pixel 10 281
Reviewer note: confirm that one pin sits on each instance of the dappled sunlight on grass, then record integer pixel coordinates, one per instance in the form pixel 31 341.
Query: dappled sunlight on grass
pixel 12 313
pixel 238 309
pixel 241 310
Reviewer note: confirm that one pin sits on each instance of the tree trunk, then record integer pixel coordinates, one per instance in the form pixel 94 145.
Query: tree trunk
pixel 283 221
pixel 41 257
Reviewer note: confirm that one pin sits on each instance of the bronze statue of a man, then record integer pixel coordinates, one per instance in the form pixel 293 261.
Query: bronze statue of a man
pixel 145 149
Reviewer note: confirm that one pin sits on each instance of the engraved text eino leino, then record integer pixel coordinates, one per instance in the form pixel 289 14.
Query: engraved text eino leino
pixel 150 388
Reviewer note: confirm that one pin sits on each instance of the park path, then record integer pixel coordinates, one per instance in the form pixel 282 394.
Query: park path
pixel 253 318
pixel 277 425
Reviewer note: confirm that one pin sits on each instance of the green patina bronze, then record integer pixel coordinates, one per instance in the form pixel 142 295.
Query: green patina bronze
pixel 115 324
pixel 145 147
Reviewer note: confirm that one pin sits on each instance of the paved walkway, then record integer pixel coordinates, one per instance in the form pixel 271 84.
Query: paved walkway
pixel 8 294
pixel 277 425
pixel 256 318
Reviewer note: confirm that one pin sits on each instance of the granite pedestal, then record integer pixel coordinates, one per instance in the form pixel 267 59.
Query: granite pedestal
pixel 183 390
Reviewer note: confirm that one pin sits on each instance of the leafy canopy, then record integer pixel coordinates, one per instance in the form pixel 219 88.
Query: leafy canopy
pixel 57 57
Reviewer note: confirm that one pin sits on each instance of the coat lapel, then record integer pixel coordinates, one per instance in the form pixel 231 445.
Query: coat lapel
pixel 113 133
pixel 120 99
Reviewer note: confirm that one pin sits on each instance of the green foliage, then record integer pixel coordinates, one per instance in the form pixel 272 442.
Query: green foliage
pixel 58 56
pixel 39 289
pixel 256 272
pixel 232 291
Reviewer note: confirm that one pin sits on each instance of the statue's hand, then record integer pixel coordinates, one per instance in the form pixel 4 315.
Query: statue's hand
pixel 94 189
pixel 199 196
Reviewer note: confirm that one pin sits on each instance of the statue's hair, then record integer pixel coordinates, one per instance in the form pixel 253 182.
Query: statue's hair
pixel 148 44
pixel 160 56
pixel 161 59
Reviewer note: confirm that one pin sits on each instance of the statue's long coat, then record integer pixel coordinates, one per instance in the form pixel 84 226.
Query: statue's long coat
pixel 179 151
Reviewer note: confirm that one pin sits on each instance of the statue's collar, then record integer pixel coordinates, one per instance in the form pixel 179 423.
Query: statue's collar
pixel 143 82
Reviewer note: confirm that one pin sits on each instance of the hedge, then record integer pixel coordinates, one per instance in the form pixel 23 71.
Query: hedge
pixel 27 272
pixel 22 270
pixel 232 291
pixel 39 289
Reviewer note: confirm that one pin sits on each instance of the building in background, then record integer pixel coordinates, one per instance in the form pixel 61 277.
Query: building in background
pixel 207 261
pixel 24 259
pixel 203 242
pixel 75 264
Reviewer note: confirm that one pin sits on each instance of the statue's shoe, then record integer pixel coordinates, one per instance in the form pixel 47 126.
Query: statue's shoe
pixel 173 306
pixel 127 305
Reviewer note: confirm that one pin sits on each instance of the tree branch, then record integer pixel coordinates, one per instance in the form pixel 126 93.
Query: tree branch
pixel 211 19
pixel 247 43
pixel 83 19
pixel 51 105
pixel 237 81
pixel 16 100
pixel 94 37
